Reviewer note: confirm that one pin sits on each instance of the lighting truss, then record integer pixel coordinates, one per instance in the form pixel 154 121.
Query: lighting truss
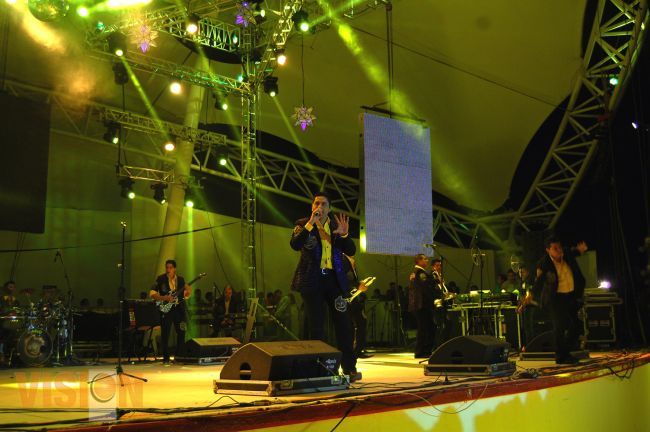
pixel 277 37
pixel 140 123
pixel 148 174
pixel 614 44
pixel 169 69
pixel 172 20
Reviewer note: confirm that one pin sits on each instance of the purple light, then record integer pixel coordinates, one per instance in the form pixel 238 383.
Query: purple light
pixel 635 125
pixel 605 284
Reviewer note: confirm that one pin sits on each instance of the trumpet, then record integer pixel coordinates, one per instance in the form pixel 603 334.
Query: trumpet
pixel 356 292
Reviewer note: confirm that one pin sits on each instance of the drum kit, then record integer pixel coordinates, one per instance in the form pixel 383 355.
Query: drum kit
pixel 38 334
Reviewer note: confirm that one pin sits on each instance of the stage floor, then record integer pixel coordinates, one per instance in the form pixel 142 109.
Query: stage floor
pixel 180 397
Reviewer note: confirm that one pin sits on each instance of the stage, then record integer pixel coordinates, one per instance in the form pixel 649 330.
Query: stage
pixel 610 391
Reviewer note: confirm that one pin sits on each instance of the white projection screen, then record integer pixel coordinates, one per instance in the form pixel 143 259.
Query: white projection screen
pixel 396 170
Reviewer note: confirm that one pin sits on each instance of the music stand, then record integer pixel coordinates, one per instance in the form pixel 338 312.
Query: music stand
pixel 147 317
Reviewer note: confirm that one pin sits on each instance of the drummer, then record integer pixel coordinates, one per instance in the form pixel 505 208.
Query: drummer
pixel 8 303
pixel 8 298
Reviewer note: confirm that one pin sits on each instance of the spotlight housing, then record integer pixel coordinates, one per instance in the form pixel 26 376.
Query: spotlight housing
pixel 159 192
pixel 175 87
pixel 271 86
pixel 120 74
pixel 280 56
pixel 613 80
pixel 112 134
pixel 170 145
pixel 189 198
pixel 117 43
pixel 221 101
pixel 301 20
pixel 192 24
pixel 223 157
pixel 126 184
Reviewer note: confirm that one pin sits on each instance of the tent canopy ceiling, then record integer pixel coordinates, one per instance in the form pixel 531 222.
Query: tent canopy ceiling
pixel 483 75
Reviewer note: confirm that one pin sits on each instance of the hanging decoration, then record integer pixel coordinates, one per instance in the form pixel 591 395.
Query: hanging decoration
pixel 245 14
pixel 142 34
pixel 302 115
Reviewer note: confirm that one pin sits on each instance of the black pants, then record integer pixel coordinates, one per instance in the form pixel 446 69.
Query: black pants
pixel 530 316
pixel 176 316
pixel 424 340
pixel 360 323
pixel 564 313
pixel 315 304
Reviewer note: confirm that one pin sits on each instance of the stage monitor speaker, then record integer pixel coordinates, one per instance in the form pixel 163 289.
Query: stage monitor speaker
pixel 543 342
pixel 476 349
pixel 471 355
pixel 274 361
pixel 542 348
pixel 210 347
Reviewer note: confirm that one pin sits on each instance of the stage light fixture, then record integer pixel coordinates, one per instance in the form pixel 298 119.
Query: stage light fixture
pixel 605 284
pixel 613 80
pixel 120 74
pixel 271 86
pixel 220 101
pixel 301 20
pixel 192 24
pixel 241 77
pixel 635 125
pixel 223 158
pixel 159 192
pixel 175 87
pixel 170 145
pixel 82 11
pixel 127 188
pixel 112 134
pixel 117 44
pixel 280 56
pixel 234 39
pixel 100 26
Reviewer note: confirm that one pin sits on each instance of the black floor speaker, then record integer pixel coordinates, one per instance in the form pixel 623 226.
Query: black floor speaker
pixel 543 342
pixel 471 356
pixel 474 349
pixel 210 347
pixel 274 361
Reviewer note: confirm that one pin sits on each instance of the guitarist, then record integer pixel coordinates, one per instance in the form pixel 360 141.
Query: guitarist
pixel 171 288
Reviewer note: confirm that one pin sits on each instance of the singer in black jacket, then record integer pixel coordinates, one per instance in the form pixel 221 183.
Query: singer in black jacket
pixel 560 287
pixel 320 276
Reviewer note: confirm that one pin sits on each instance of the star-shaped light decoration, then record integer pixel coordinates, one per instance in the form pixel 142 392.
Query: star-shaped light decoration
pixel 245 14
pixel 142 34
pixel 303 117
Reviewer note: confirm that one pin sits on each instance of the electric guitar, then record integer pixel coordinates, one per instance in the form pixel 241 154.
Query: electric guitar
pixel 166 306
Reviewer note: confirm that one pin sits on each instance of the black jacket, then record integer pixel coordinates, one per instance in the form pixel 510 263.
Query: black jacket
pixel 308 243
pixel 162 286
pixel 545 287
pixel 421 291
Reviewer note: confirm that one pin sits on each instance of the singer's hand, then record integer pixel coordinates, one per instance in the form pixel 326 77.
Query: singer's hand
pixel 343 223
pixel 315 216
